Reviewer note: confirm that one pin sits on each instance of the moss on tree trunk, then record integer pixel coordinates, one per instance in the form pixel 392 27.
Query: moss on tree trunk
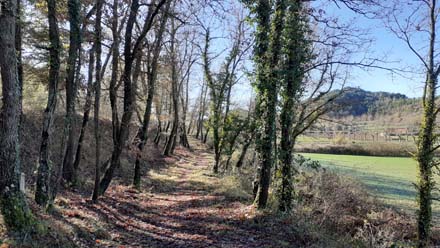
pixel 14 208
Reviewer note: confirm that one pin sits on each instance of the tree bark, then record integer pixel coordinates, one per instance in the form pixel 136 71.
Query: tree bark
pixel 90 90
pixel 267 51
pixel 424 159
pixel 43 186
pixel 98 45
pixel 142 134
pixel 87 108
pixel 243 153
pixel 16 213
pixel 130 52
pixel 296 53
pixel 185 101
pixel 427 138
pixel 69 173
pixel 19 49
pixel 169 146
pixel 114 76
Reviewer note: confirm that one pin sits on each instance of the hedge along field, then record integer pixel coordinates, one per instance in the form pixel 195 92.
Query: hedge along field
pixel 389 178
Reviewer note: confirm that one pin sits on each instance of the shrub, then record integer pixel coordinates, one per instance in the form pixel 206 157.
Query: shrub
pixel 343 205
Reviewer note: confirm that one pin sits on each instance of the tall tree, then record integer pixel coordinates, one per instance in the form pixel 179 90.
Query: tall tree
pixel 98 46
pixel 415 23
pixel 42 192
pixel 427 136
pixel 130 53
pixel 13 202
pixel 113 88
pixel 175 90
pixel 266 56
pixel 295 53
pixel 19 48
pixel 69 173
pixel 142 134
pixel 220 87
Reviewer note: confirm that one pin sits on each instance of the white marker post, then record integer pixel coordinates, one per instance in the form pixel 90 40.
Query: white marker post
pixel 22 182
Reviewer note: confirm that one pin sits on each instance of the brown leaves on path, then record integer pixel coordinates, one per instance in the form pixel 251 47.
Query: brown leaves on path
pixel 180 207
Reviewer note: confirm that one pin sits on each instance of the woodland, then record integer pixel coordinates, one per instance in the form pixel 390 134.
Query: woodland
pixel 176 123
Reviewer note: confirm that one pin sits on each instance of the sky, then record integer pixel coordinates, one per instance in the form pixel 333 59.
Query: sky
pixel 385 45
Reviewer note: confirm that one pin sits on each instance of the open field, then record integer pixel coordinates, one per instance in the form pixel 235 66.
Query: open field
pixel 389 178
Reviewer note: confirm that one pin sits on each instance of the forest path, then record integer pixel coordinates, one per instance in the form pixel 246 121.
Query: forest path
pixel 183 206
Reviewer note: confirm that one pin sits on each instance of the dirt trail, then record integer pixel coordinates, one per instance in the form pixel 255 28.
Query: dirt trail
pixel 181 207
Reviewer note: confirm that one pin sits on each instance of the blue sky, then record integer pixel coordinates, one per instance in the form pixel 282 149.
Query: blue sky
pixel 385 45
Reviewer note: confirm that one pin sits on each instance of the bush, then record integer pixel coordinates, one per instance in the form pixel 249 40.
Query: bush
pixel 342 205
pixel 383 149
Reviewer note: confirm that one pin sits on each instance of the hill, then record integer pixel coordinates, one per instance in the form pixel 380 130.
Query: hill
pixel 357 102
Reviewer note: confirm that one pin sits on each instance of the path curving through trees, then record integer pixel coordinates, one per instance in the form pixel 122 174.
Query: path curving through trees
pixel 180 207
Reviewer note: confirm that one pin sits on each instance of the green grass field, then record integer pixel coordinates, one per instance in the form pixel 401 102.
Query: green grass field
pixel 389 178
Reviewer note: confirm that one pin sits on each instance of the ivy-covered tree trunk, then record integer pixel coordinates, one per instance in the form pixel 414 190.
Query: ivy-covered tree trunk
pixel 427 137
pixel 216 99
pixel 425 157
pixel 69 173
pixel 14 208
pixel 43 188
pixel 266 53
pixel 220 88
pixel 295 51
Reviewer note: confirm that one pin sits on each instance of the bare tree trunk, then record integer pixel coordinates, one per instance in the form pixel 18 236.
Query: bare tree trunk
pixel 43 187
pixel 190 129
pixel 142 134
pixel 115 67
pixel 205 138
pixel 199 117
pixel 122 133
pixel 174 94
pixel 90 90
pixel 19 49
pixel 69 173
pixel 87 108
pixel 98 45
pixel 243 153
pixel 185 101
pixel 159 122
pixel 16 213
pixel 158 133
pixel 130 53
